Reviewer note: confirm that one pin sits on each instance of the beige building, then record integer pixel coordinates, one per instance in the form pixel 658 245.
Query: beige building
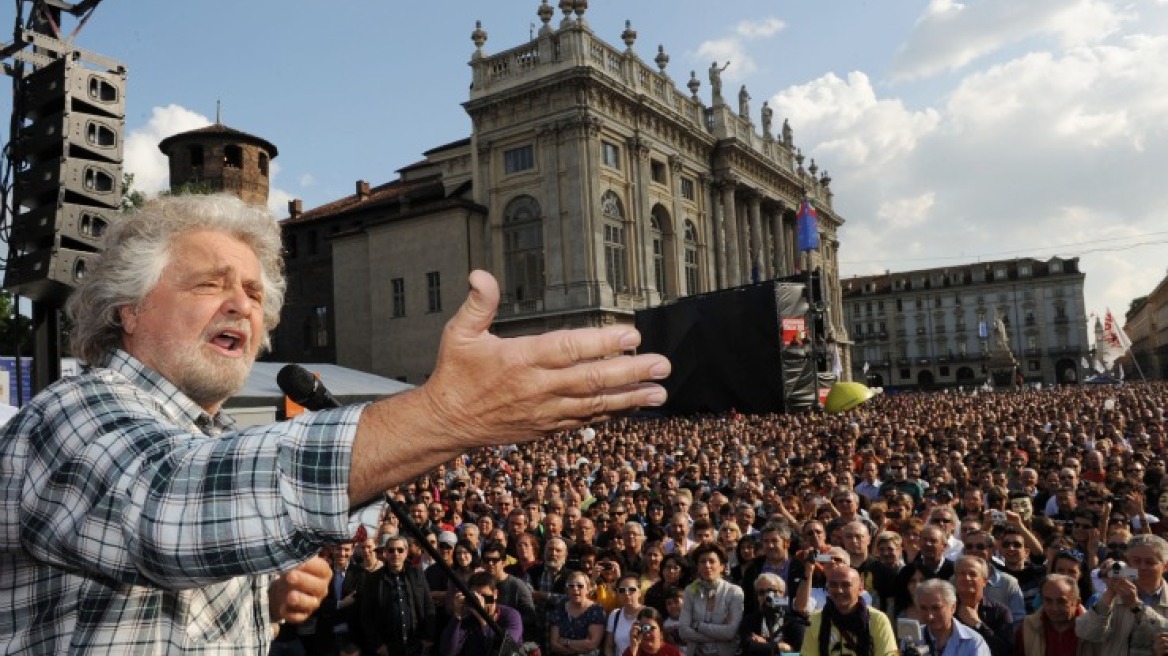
pixel 591 186
pixel 937 327
pixel 1147 327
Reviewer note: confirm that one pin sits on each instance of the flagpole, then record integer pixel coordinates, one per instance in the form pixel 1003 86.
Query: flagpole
pixel 811 332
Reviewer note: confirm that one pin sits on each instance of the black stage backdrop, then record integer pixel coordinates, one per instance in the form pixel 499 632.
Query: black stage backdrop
pixel 727 350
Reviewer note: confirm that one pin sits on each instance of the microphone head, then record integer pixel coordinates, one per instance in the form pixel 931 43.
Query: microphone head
pixel 297 382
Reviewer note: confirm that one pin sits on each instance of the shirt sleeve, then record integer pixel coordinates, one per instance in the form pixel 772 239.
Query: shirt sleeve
pixel 113 487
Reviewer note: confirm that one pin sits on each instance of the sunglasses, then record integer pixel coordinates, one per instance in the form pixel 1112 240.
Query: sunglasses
pixel 979 546
pixel 394 549
pixel 628 590
pixel 575 586
pixel 1117 546
pixel 488 599
pixel 1011 545
pixel 445 546
pixel 492 560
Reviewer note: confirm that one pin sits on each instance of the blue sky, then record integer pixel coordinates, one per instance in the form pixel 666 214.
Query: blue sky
pixel 953 131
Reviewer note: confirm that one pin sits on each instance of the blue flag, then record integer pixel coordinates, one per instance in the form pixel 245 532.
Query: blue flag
pixel 807 228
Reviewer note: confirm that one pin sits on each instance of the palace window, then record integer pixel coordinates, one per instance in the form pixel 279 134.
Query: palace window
pixel 518 159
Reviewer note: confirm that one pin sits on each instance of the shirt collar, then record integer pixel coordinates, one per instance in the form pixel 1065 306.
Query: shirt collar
pixel 174 403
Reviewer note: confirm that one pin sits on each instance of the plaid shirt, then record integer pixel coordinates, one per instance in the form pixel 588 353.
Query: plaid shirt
pixel 131 521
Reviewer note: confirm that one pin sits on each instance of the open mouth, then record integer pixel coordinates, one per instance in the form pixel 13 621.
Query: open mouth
pixel 230 341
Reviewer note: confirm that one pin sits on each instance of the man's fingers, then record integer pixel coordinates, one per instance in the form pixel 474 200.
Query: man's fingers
pixel 564 348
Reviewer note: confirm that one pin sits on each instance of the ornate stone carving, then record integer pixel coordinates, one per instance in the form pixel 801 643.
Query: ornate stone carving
pixel 629 36
pixel 479 38
pixel 675 164
pixel 662 59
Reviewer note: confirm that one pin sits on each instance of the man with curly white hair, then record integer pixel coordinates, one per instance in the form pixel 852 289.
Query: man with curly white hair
pixel 135 518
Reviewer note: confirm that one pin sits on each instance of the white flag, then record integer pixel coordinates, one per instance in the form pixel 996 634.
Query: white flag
pixel 837 366
pixel 1113 330
pixel 1084 363
pixel 1099 368
pixel 865 366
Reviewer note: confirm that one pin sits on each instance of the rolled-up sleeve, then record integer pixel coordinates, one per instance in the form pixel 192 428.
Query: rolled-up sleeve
pixel 115 484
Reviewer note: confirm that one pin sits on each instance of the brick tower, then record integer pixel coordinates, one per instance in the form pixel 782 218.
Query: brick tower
pixel 224 158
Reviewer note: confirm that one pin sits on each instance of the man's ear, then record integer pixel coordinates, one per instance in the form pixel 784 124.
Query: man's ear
pixel 128 314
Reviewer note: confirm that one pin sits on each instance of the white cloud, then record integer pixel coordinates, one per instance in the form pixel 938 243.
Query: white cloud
pixel 150 168
pixel 306 180
pixel 732 48
pixel 759 29
pixel 142 157
pixel 844 123
pixel 1050 153
pixel 949 36
pixel 906 212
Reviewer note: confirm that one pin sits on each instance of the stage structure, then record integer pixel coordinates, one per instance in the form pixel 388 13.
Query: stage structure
pixel 747 348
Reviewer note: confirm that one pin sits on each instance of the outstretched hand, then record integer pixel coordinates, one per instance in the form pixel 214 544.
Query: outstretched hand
pixel 488 390
pixel 494 390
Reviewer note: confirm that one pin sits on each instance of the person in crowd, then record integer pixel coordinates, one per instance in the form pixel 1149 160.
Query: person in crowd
pixel 1050 631
pixel 622 621
pixel 937 601
pixel 773 628
pixel 674 573
pixel 510 591
pixel 775 539
pixel 396 610
pixel 647 637
pixel 1130 613
pixel 652 557
pixel 1015 558
pixel 631 557
pixel 550 588
pixel 604 583
pixel 745 551
pixel 577 625
pixel 526 558
pixel 713 607
pixel 168 321
pixel 846 625
pixel 337 621
pixel 468 634
pixel 1000 587
pixel 988 618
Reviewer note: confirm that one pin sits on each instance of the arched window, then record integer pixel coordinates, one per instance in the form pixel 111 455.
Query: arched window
pixel 692 280
pixel 523 249
pixel 661 231
pixel 263 162
pixel 615 244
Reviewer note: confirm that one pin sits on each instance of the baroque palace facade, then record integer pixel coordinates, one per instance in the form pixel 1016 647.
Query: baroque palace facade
pixel 591 187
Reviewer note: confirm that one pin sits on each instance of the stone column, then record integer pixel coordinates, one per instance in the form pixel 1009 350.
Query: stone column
pixel 754 201
pixel 780 262
pixel 730 221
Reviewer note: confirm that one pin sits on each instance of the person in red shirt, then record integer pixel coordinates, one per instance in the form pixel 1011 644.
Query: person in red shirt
pixel 1050 630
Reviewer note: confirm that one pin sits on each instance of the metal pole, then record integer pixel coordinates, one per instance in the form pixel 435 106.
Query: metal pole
pixel 811 313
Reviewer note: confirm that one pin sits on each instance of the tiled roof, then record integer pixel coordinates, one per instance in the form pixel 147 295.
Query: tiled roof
pixel 429 187
pixel 218 130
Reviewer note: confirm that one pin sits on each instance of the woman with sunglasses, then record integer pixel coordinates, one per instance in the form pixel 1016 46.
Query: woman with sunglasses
pixel 646 638
pixel 621 620
pixel 577 625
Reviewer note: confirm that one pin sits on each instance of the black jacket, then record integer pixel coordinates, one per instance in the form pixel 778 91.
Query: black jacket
pixel 374 604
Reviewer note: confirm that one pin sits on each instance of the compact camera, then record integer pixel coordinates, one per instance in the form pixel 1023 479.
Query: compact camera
pixel 998 516
pixel 644 629
pixel 774 601
pixel 823 558
pixel 1120 570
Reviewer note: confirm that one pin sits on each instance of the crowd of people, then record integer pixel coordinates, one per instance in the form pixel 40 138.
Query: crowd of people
pixel 1014 522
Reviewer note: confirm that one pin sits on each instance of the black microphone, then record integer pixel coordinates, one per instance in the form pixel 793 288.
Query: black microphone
pixel 304 388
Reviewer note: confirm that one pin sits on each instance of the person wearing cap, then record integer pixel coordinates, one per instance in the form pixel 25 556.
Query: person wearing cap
pixel 396 610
